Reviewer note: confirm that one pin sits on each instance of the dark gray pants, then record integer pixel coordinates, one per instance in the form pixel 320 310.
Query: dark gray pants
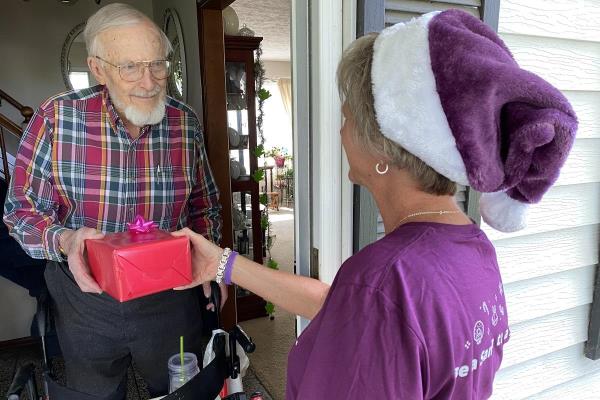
pixel 100 336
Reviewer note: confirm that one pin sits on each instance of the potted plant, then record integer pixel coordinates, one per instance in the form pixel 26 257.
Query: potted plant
pixel 278 154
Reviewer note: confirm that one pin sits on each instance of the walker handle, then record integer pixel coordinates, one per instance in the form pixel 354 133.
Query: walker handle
pixel 215 298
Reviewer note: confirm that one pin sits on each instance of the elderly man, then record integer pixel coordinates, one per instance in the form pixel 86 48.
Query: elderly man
pixel 88 163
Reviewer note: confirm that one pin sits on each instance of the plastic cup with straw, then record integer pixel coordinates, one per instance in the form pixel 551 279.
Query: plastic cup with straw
pixel 182 367
pixel 181 358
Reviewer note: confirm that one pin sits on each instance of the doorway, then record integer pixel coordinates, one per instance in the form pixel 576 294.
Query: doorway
pixel 275 332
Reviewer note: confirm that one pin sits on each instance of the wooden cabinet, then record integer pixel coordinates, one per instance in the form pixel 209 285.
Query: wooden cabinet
pixel 220 111
pixel 246 210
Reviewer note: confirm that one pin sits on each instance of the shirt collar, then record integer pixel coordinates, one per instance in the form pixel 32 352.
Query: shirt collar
pixel 114 118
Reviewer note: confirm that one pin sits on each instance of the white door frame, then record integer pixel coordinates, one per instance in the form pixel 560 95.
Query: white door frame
pixel 301 136
pixel 347 188
pixel 323 201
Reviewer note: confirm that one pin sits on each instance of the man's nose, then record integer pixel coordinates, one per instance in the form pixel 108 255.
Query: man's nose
pixel 148 82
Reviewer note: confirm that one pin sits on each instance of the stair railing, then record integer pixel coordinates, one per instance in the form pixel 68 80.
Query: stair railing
pixel 7 125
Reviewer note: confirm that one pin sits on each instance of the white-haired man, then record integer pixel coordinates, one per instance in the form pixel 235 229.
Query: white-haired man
pixel 88 163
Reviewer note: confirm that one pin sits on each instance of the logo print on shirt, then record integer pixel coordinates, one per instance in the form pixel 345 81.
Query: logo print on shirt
pixel 478 332
pixel 485 308
pixel 495 312
pixel 494 316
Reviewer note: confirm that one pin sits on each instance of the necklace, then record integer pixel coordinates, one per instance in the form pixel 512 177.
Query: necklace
pixel 441 212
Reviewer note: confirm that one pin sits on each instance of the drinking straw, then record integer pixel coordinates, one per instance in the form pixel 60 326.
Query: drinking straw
pixel 181 357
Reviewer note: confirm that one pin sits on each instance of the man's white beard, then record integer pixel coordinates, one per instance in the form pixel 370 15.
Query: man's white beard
pixel 138 117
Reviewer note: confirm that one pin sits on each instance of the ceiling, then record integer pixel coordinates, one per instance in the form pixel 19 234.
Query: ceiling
pixel 271 20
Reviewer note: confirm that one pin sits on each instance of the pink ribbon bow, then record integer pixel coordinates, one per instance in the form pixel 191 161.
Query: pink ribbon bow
pixel 140 225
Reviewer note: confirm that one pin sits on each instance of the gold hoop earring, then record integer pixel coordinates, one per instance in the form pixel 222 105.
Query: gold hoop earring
pixel 381 172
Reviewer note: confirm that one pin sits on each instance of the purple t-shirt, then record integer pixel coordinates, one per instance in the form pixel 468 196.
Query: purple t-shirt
pixel 419 314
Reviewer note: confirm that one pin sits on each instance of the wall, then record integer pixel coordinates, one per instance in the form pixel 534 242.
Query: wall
pixel 16 310
pixel 31 38
pixel 548 269
pixel 186 9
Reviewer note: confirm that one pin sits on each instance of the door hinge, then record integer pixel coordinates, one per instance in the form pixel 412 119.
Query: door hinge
pixel 314 263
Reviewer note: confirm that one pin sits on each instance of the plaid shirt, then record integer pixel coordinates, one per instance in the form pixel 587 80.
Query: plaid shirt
pixel 77 166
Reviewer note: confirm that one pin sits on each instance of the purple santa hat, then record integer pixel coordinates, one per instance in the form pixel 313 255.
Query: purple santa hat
pixel 447 89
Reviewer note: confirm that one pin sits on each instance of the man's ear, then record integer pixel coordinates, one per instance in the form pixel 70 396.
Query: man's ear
pixel 97 70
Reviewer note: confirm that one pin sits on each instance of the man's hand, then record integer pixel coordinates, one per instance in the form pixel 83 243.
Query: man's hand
pixel 73 245
pixel 205 258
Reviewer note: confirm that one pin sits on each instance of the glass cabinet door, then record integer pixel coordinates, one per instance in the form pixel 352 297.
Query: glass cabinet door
pixel 247 212
pixel 246 221
pixel 243 229
pixel 237 121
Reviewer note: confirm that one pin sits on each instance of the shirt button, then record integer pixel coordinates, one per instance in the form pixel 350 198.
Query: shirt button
pixel 131 210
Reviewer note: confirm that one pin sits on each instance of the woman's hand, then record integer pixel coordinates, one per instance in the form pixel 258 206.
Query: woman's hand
pixel 205 258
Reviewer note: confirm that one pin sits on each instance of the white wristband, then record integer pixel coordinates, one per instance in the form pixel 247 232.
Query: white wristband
pixel 222 264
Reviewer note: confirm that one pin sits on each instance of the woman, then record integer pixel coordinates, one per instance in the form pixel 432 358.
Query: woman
pixel 419 314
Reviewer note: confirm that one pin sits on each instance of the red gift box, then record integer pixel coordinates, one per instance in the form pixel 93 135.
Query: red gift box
pixel 132 264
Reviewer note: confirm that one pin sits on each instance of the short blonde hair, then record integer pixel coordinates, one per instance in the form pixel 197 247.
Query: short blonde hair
pixel 355 87
pixel 113 16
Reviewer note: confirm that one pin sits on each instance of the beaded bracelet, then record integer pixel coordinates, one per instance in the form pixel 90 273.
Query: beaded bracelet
pixel 222 264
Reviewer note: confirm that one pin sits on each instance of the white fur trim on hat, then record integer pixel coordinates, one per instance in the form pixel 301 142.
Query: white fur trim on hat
pixel 502 212
pixel 407 104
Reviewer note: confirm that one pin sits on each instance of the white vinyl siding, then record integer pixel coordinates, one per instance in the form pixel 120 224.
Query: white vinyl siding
pixel 546 377
pixel 587 107
pixel 562 19
pixel 549 268
pixel 403 10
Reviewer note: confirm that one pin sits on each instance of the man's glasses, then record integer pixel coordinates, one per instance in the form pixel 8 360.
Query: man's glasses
pixel 134 71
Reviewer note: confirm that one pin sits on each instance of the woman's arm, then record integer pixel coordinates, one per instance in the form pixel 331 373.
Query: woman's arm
pixel 296 294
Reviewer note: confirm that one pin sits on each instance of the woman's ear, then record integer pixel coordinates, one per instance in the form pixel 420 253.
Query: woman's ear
pixel 97 70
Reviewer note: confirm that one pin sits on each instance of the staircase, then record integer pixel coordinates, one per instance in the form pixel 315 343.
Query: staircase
pixel 15 264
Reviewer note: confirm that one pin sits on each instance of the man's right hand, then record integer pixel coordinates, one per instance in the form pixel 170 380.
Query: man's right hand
pixel 73 245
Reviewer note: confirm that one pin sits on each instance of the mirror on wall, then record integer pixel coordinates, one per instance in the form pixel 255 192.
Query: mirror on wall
pixel 177 81
pixel 73 61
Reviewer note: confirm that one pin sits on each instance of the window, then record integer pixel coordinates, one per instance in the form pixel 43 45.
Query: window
pixel 79 80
